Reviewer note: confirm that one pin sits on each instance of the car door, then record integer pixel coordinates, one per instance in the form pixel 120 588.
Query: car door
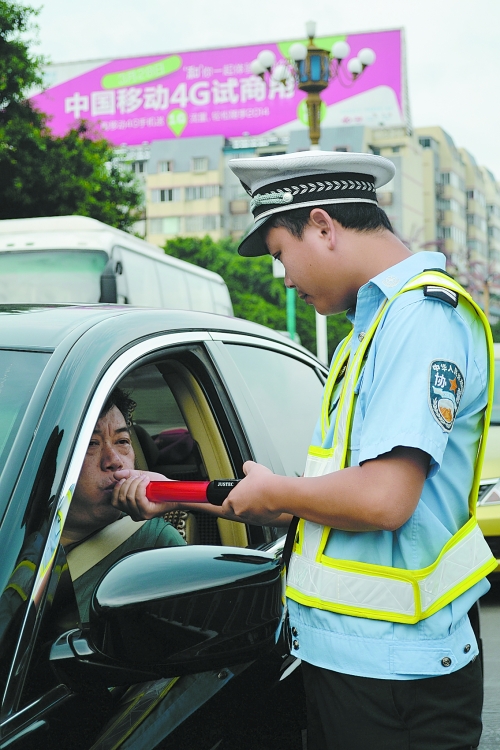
pixel 35 699
pixel 200 377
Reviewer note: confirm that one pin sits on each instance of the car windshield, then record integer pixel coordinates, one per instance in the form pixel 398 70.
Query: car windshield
pixel 46 276
pixel 19 374
pixel 495 414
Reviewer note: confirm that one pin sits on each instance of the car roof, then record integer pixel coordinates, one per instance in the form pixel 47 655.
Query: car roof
pixel 44 327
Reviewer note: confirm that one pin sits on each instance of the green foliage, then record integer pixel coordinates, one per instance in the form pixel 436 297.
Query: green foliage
pixel 45 175
pixel 19 70
pixel 495 329
pixel 255 293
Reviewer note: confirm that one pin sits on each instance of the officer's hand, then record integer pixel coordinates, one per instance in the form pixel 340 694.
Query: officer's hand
pixel 254 499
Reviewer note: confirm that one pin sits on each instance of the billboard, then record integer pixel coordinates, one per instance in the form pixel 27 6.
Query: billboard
pixel 137 100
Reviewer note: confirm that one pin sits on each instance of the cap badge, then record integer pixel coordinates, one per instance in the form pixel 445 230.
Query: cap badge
pixel 276 199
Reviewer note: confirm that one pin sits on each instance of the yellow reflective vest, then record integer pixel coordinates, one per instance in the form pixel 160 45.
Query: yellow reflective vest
pixel 376 591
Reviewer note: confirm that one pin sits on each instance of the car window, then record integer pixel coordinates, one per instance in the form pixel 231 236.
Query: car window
pixel 19 374
pixel 165 439
pixel 180 437
pixel 288 395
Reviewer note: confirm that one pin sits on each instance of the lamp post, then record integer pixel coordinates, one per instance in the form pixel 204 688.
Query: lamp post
pixel 313 69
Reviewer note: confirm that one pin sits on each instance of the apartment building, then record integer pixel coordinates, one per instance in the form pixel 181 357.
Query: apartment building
pixel 185 189
pixel 477 230
pixel 403 197
pixel 445 199
pixel 492 285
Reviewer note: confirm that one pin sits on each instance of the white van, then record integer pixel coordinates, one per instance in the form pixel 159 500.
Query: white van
pixel 77 259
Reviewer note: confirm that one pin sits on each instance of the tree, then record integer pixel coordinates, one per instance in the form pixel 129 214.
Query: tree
pixel 19 70
pixel 255 293
pixel 495 330
pixel 44 175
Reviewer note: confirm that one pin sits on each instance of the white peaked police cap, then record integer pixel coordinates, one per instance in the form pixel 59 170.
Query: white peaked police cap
pixel 306 179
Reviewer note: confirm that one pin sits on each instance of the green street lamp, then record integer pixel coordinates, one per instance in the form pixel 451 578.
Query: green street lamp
pixel 313 69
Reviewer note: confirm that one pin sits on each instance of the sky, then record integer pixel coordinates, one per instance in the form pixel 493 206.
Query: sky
pixel 453 52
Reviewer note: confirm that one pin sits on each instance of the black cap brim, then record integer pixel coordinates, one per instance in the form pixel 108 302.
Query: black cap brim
pixel 252 245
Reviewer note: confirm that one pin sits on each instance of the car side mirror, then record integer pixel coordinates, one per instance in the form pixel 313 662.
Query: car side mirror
pixel 182 610
pixel 108 283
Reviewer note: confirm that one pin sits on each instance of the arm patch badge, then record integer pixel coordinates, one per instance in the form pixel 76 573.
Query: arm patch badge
pixel 446 386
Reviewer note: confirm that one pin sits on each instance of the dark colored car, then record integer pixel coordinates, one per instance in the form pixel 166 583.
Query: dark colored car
pixel 183 648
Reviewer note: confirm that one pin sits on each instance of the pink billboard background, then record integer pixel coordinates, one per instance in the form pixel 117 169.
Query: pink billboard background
pixel 213 92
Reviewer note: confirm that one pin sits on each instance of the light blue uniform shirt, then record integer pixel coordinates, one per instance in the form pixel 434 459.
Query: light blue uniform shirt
pixel 394 407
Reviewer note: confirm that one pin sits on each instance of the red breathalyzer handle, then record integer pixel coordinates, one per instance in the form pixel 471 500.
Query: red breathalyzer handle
pixel 214 492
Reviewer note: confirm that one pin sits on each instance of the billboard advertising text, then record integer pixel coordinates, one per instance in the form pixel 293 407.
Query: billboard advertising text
pixel 213 92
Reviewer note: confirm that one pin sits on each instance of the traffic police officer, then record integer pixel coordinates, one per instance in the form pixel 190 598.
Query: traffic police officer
pixel 388 558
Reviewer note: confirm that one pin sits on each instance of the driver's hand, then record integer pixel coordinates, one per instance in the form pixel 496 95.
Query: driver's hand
pixel 129 494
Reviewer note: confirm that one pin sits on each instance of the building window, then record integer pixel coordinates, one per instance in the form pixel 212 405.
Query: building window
pixel 476 246
pixel 166 225
pixel 237 192
pixel 396 149
pixel 476 195
pixel 425 142
pixel 168 195
pixel 138 167
pixel 494 233
pixel 452 178
pixel 165 166
pixel 200 192
pixel 452 233
pixel 493 210
pixel 476 221
pixel 200 164
pixel 203 223
pixel 239 223
pixel 450 204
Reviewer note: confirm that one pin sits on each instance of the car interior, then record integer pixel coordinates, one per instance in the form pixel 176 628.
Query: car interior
pixel 174 432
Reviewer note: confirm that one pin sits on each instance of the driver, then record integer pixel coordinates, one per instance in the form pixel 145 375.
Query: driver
pixel 96 534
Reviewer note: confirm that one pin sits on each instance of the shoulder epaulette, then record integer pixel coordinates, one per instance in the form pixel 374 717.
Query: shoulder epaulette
pixel 440 292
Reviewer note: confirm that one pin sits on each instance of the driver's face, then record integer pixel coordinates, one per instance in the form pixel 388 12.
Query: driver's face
pixel 109 450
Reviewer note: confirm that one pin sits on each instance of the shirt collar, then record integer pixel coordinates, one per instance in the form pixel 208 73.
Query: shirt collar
pixel 393 279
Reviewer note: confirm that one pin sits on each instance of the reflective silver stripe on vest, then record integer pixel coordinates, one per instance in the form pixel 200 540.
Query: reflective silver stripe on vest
pixel 349 588
pixel 378 593
pixel 455 566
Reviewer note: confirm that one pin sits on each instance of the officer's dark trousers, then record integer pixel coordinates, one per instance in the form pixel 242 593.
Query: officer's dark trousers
pixel 361 713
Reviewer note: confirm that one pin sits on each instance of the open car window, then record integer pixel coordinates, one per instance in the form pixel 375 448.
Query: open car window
pixel 179 437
